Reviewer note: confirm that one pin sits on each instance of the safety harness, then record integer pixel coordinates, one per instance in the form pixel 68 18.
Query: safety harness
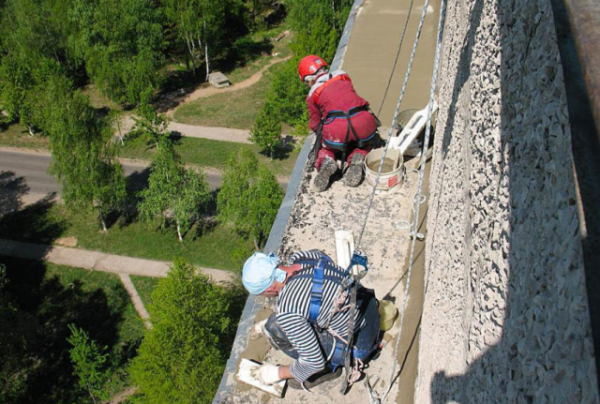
pixel 351 135
pixel 318 282
pixel 340 353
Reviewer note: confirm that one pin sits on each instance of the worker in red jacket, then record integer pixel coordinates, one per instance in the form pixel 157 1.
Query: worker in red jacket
pixel 344 125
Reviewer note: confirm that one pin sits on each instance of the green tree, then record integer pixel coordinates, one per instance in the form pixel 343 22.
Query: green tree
pixel 109 187
pixel 89 363
pixel 173 190
pixel 120 42
pixel 185 16
pixel 288 93
pixel 31 46
pixel 266 131
pixel 83 158
pixel 204 26
pixel 151 125
pixel 249 197
pixel 317 26
pixel 182 357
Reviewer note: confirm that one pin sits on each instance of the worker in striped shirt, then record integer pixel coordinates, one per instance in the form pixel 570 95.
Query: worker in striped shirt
pixel 310 322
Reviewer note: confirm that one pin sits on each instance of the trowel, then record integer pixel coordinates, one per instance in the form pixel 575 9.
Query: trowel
pixel 244 375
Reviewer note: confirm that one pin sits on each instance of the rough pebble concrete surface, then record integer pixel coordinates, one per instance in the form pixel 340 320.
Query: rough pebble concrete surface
pixel 505 314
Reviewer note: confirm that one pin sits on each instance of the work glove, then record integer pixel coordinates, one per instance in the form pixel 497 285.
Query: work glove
pixel 267 374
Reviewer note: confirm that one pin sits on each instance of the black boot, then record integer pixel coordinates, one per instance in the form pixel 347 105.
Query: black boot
pixel 318 379
pixel 354 174
pixel 328 168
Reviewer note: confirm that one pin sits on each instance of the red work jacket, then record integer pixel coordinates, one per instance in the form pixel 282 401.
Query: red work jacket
pixel 338 94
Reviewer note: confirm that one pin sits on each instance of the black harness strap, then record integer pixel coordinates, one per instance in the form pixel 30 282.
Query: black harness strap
pixel 351 135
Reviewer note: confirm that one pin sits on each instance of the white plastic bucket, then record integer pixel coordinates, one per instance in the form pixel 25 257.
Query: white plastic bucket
pixel 388 178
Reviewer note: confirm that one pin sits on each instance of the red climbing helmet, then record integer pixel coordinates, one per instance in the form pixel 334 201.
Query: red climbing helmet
pixel 309 65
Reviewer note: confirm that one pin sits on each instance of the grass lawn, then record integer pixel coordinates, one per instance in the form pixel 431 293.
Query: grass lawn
pixel 210 153
pixel 132 327
pixel 280 48
pixel 145 286
pixel 16 135
pixel 209 249
pixel 201 152
pixel 237 109
pixel 46 298
pixel 215 247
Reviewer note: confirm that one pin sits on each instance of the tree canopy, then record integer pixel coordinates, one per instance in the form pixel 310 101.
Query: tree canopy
pixel 120 43
pixel 182 357
pixel 89 363
pixel 85 166
pixel 173 189
pixel 249 197
pixel 266 131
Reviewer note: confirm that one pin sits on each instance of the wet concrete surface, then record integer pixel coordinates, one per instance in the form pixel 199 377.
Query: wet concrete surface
pixel 408 348
pixel 372 49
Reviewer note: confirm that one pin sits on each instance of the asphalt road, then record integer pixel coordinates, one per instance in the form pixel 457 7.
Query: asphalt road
pixel 28 170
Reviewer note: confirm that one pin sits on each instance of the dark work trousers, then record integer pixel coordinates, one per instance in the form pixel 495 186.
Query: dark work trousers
pixel 366 339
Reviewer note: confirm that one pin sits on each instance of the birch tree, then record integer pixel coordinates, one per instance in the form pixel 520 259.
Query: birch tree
pixel 249 197
pixel 83 157
pixel 151 125
pixel 184 14
pixel 201 25
pixel 173 191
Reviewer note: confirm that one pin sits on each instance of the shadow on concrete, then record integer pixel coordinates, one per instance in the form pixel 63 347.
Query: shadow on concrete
pixel 586 149
pixel 12 190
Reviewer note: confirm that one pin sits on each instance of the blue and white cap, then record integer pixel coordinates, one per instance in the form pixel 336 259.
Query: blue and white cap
pixel 260 271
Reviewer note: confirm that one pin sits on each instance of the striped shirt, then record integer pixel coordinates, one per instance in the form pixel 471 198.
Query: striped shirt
pixel 293 312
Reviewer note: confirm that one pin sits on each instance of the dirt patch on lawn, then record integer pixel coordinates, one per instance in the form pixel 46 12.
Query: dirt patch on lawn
pixel 67 241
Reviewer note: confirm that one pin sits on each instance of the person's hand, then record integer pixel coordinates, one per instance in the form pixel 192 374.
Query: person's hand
pixel 267 373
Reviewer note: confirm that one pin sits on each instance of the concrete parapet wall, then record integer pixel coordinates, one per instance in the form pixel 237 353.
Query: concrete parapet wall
pixel 505 314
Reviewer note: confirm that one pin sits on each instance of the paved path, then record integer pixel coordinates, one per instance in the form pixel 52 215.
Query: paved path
pixel 136 300
pixel 98 261
pixel 199 132
pixel 209 132
pixel 206 132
